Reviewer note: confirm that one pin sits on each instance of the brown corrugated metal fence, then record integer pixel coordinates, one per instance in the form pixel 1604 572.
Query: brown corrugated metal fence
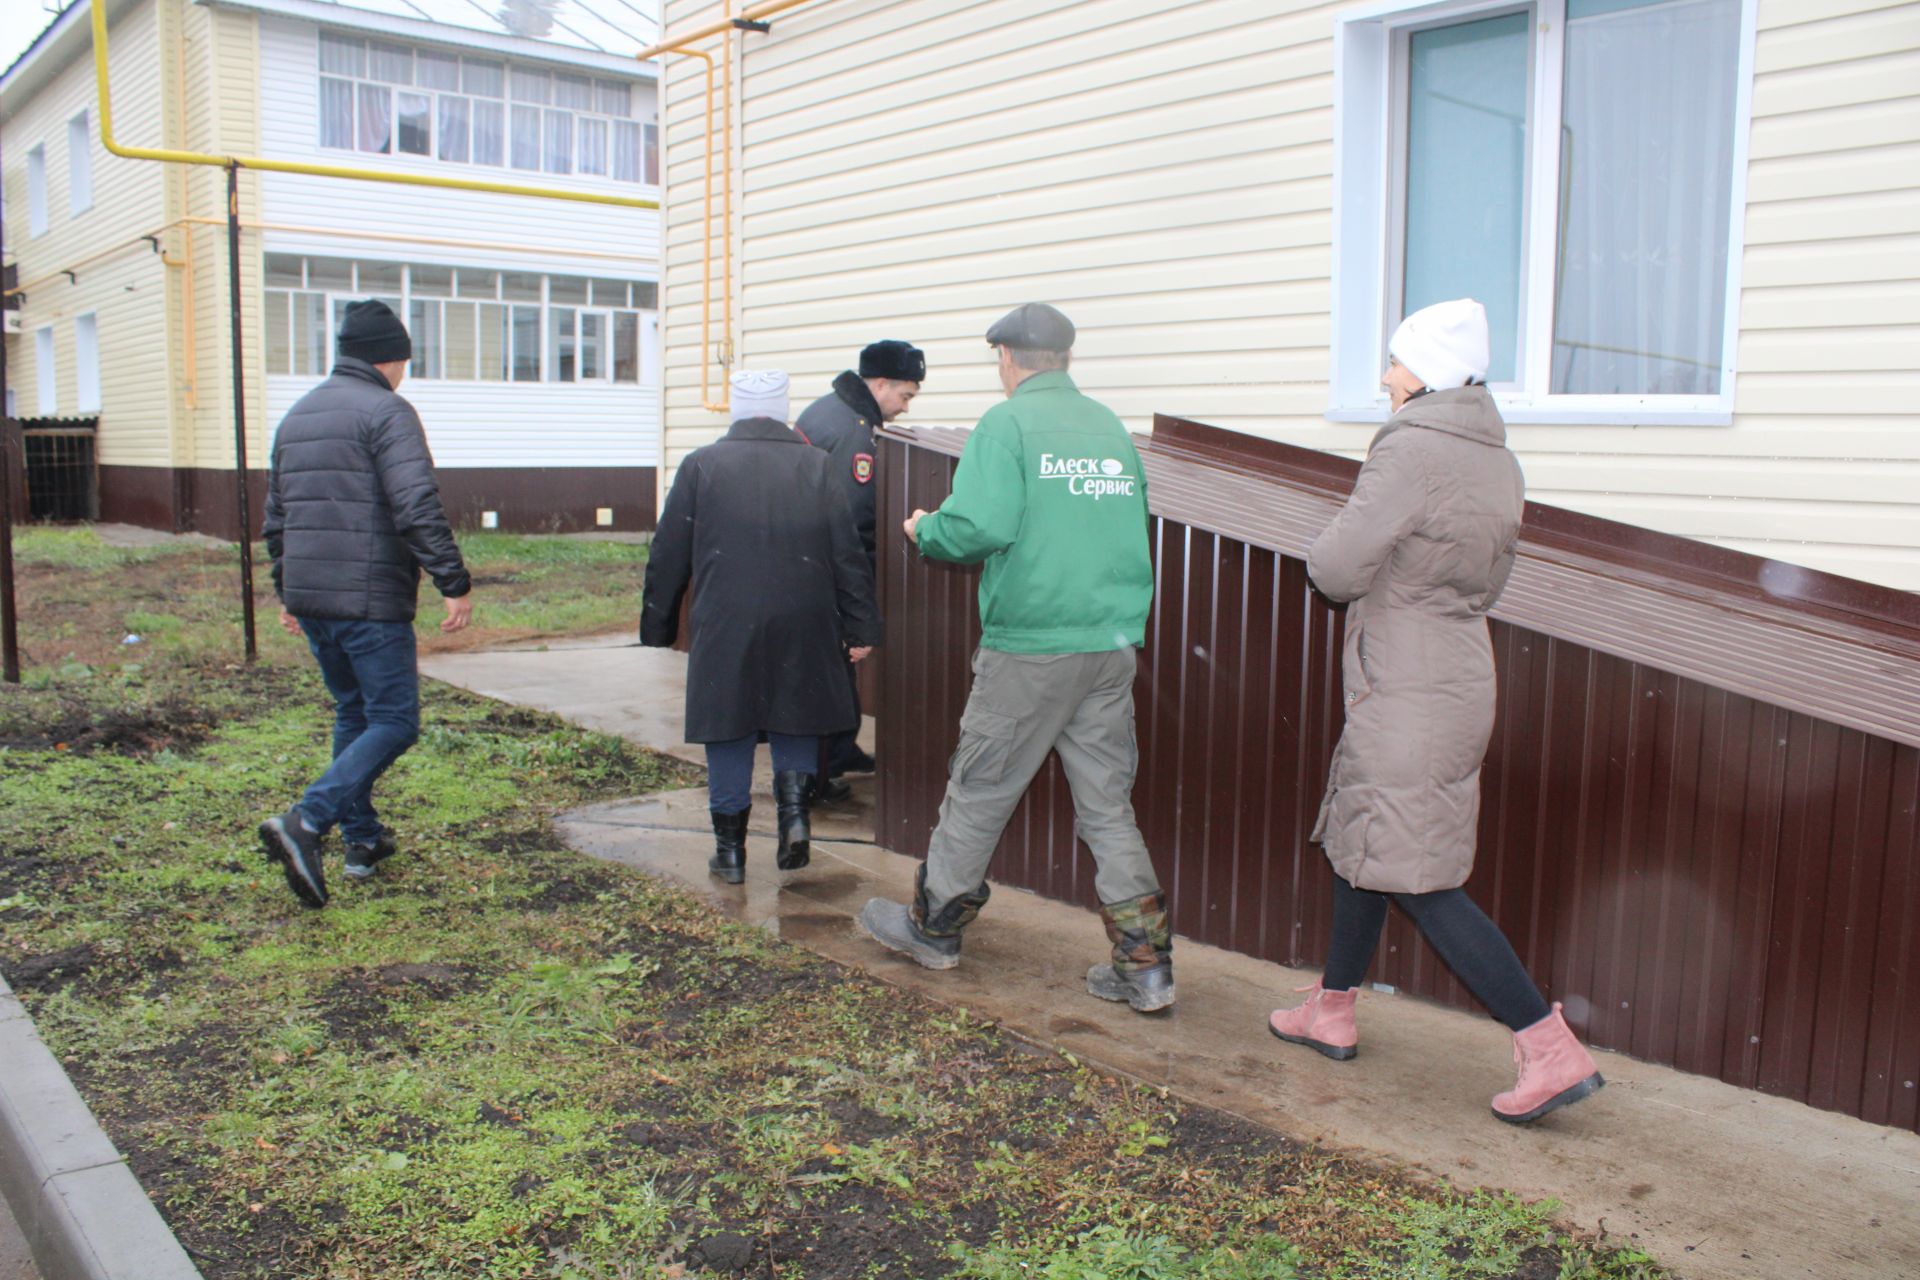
pixel 1706 845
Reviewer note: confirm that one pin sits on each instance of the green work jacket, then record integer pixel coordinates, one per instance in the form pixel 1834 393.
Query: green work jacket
pixel 1051 498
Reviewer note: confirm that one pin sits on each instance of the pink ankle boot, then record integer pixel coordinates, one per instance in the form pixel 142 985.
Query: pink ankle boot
pixel 1555 1069
pixel 1324 1023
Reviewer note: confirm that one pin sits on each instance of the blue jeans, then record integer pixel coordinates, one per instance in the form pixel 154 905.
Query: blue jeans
pixel 371 671
pixel 730 767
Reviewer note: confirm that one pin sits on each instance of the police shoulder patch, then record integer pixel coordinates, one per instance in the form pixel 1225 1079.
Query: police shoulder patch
pixel 863 468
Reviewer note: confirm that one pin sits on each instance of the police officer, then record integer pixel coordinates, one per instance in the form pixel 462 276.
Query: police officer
pixel 842 423
pixel 1051 499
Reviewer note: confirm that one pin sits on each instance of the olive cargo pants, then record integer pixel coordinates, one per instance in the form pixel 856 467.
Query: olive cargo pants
pixel 1023 706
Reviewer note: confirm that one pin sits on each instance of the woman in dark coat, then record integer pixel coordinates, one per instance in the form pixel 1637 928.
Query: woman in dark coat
pixel 782 599
pixel 1421 551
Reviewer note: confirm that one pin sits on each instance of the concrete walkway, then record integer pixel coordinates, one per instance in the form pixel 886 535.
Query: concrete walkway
pixel 16 1263
pixel 1717 1182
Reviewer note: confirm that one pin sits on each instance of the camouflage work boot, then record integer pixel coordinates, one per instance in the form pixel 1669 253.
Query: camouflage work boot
pixel 929 938
pixel 1142 970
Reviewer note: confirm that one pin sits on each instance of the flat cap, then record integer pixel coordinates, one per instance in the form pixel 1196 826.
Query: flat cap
pixel 1033 326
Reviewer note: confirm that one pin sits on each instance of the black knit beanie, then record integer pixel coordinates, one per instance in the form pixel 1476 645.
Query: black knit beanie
pixel 892 358
pixel 371 332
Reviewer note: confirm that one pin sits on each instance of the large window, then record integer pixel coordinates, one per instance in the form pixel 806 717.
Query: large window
pixel 1572 164
pixel 86 362
pixel 468 324
pixel 45 375
pixel 37 190
pixel 79 166
pixel 397 99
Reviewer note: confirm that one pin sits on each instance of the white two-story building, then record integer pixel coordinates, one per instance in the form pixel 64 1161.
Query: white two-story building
pixel 534 320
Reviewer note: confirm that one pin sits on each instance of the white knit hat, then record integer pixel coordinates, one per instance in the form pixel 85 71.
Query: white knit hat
pixel 759 393
pixel 1445 345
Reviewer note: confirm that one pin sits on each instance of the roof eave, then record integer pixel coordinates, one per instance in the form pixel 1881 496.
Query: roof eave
pixel 325 13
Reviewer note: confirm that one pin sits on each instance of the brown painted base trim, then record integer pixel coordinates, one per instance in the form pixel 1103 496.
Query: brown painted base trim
pixel 550 499
pixel 527 500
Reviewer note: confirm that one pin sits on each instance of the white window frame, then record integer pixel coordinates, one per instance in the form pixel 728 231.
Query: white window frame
pixel 86 363
pixel 37 190
pixel 649 320
pixel 79 165
pixel 46 372
pixel 1369 161
pixel 543 107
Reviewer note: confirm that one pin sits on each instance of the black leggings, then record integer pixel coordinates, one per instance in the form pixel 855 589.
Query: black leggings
pixel 1472 946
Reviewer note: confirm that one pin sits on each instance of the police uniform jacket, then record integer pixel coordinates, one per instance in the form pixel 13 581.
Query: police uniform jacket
pixel 842 423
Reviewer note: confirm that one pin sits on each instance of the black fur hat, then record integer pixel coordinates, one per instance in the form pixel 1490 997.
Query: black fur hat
pixel 892 358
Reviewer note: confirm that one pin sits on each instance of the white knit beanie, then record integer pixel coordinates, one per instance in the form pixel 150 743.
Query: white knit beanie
pixel 759 393
pixel 1445 345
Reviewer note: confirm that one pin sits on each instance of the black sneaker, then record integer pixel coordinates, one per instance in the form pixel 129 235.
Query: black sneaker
pixel 290 842
pixel 364 855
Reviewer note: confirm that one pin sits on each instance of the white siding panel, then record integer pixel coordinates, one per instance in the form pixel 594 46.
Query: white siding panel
pixel 1885 213
pixel 1162 170
pixel 1870 79
pixel 1892 302
pixel 471 424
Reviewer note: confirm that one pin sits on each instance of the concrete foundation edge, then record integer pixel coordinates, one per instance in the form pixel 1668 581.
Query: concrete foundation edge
pixel 84 1214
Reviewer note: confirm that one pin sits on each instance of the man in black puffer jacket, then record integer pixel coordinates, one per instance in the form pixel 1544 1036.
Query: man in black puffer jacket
pixel 353 517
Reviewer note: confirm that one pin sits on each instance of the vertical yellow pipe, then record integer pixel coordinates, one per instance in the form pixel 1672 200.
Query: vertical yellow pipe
pixel 189 330
pixel 726 212
pixel 706 239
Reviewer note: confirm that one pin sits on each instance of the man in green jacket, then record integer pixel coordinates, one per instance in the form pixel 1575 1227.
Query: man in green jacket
pixel 1051 499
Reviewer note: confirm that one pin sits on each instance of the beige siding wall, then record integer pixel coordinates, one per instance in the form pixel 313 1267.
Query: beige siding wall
pixel 117 274
pixel 1164 172
pixel 221 57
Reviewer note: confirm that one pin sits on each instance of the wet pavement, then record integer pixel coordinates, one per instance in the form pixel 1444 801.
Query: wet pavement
pixel 15 1262
pixel 1717 1182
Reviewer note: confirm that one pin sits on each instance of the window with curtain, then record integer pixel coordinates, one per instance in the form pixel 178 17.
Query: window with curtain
pixel 393 99
pixel 456 128
pixel 489 133
pixel 593 146
pixel 526 137
pixel 626 151
pixel 1569 163
pixel 558 152
pixel 336 113
pixel 1642 270
pixel 375 131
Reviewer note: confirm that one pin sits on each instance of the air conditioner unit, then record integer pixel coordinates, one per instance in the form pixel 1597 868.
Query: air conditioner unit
pixel 16 323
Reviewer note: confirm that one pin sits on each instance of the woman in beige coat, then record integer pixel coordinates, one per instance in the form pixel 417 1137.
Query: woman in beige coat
pixel 1421 551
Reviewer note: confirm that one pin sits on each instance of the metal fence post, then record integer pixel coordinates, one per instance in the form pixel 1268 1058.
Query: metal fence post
pixel 242 505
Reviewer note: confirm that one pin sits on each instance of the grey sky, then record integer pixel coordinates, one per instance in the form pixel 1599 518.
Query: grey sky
pixel 20 22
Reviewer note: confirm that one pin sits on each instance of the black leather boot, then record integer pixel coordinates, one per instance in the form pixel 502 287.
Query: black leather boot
pixel 729 860
pixel 791 792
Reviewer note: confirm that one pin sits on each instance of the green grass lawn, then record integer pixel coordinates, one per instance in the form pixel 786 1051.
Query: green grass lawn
pixel 499 1058
pixel 80 598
